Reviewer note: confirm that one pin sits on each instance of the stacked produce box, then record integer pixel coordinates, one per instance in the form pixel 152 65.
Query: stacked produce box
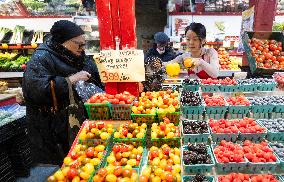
pixel 195 135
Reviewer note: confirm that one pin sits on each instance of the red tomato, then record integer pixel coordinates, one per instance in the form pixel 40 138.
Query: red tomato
pixel 272 47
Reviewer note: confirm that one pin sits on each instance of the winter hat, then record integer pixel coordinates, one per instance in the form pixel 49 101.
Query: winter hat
pixel 64 30
pixel 161 38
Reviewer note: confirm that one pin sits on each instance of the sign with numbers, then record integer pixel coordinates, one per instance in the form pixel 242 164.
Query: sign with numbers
pixel 121 65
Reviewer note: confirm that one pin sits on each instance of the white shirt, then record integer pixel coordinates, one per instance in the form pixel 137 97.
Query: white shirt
pixel 210 63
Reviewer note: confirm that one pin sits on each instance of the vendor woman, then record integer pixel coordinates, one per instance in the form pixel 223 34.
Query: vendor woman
pixel 203 62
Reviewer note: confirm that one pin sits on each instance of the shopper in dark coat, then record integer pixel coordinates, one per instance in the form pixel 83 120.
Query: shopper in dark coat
pixel 60 57
pixel 160 48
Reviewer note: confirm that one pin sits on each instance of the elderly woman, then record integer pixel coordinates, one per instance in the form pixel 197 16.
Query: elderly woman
pixel 59 61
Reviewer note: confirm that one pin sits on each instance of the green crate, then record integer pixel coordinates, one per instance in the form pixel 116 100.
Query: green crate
pixel 229 88
pixel 192 138
pixel 172 142
pixel 95 142
pixel 278 36
pixel 218 137
pixel 263 166
pixel 281 160
pixel 279 109
pixel 188 110
pixel 238 109
pixel 174 117
pixel 189 178
pixel 229 167
pixel 266 87
pixel 262 108
pixel 188 87
pixel 149 119
pixel 216 109
pixel 121 111
pixel 198 168
pixel 273 136
pixel 247 87
pixel 210 88
pixel 98 111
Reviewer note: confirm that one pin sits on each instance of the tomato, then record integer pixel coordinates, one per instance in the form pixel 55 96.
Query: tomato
pixel 279 48
pixel 276 52
pixel 272 47
pixel 72 173
pixel 265 50
pixel 93 99
pixel 280 59
pixel 116 148
pixel 267 65
pixel 259 59
pixel 260 48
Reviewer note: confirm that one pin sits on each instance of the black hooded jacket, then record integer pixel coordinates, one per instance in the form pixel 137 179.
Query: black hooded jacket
pixel 168 55
pixel 48 131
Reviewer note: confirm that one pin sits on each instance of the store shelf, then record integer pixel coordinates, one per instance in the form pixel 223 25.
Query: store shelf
pixel 11 75
pixel 208 13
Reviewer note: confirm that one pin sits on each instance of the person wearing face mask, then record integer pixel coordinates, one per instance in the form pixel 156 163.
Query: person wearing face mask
pixel 201 62
pixel 160 48
pixel 55 66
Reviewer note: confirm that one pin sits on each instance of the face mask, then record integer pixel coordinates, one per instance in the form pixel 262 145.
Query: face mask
pixel 161 51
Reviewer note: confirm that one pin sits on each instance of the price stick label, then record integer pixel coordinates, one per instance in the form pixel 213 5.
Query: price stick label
pixel 121 65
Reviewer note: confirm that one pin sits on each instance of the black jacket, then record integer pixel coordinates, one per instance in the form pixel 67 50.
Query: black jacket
pixel 168 55
pixel 48 131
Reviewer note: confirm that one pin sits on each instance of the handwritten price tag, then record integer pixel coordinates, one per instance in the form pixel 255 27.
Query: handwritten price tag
pixel 121 66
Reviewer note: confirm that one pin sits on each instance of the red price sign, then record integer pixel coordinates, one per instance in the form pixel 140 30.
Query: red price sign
pixel 106 77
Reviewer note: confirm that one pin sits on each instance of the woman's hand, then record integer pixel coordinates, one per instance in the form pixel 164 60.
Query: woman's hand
pixel 197 62
pixel 82 75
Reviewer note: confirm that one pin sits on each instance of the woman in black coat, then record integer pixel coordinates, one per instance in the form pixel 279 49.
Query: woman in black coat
pixel 59 59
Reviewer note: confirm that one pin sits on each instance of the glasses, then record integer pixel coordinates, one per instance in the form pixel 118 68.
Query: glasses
pixel 80 44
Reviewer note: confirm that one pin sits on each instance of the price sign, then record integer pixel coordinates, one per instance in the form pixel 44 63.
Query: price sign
pixel 121 65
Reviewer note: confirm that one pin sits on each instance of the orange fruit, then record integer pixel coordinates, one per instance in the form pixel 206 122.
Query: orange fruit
pixel 188 62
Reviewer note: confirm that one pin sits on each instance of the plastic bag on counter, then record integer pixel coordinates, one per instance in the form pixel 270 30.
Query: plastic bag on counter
pixel 85 90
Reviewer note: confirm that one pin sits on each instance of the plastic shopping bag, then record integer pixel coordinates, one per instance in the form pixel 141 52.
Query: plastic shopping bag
pixel 85 90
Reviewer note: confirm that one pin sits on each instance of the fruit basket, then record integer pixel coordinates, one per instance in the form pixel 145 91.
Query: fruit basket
pixel 238 109
pixel 217 137
pixel 198 168
pixel 229 88
pixel 174 117
pixel 143 118
pixel 262 108
pixel 190 178
pixel 189 87
pixel 230 166
pixel 138 141
pixel 260 163
pixel 210 88
pixel 279 109
pixel 172 142
pixel 98 111
pixel 249 36
pixel 273 132
pixel 278 146
pixel 198 137
pixel 230 133
pixel 121 111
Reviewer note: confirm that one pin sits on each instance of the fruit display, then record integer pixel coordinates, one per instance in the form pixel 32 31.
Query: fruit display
pixel 164 129
pixel 222 126
pixel 166 102
pixel 256 81
pixel 195 127
pixel 273 125
pixel 81 163
pixel 96 131
pixel 279 78
pixel 267 100
pixel 116 174
pixel 196 178
pixel 267 53
pixel 125 155
pixel 234 176
pixel 189 98
pixel 248 125
pixel 163 164
pixel 189 81
pixel 173 69
pixel 278 148
pixel 258 152
pixel 225 81
pixel 129 131
pixel 238 101
pixel 122 98
pixel 196 154
pixel 226 61
pixel 229 152
pixel 247 178
pixel 215 100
